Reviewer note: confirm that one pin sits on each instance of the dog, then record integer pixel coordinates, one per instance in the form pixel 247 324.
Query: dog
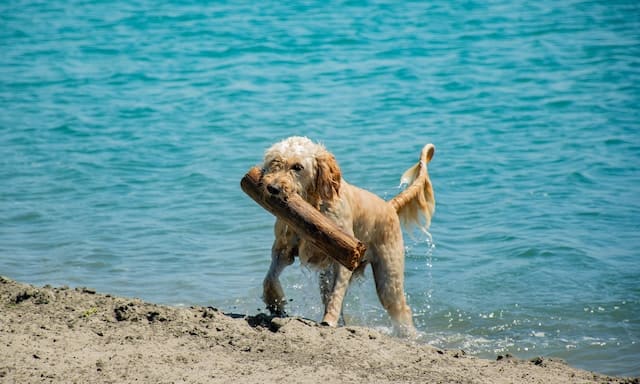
pixel 298 165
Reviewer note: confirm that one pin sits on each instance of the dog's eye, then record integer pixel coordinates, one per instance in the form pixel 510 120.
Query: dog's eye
pixel 297 167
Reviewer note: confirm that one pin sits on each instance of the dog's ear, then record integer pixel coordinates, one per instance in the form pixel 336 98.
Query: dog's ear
pixel 328 176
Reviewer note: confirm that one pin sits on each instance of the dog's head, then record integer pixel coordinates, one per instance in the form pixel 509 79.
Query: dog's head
pixel 298 165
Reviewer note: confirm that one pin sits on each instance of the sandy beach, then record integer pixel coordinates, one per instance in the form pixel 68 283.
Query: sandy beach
pixel 77 335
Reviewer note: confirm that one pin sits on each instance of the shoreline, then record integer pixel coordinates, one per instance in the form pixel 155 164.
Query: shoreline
pixel 68 335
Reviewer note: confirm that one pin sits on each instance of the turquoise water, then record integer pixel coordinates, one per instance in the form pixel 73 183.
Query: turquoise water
pixel 126 127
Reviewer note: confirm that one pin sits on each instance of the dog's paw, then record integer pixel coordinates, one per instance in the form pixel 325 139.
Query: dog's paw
pixel 326 323
pixel 276 311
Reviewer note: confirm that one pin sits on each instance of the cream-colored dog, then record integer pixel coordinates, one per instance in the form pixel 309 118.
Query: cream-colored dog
pixel 297 165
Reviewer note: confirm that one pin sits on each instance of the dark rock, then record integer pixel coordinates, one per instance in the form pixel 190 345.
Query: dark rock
pixel 122 313
pixel 24 296
pixel 90 291
pixel 155 316
pixel 539 361
pixel 209 313
pixel 39 297
pixel 260 320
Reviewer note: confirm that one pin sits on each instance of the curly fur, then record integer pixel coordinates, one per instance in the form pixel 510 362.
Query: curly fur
pixel 297 165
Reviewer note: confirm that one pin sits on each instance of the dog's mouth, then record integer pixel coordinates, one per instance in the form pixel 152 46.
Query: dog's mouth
pixel 273 190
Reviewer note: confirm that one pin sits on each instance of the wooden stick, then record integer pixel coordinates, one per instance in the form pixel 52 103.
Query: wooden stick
pixel 307 221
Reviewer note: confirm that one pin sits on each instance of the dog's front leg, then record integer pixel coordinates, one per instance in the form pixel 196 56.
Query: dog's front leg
pixel 333 301
pixel 272 292
pixel 285 248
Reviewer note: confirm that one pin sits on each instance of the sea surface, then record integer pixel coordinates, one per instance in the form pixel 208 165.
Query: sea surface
pixel 126 126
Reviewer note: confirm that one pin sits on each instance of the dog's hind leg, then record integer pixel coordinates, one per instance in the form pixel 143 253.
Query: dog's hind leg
pixel 389 277
pixel 327 280
pixel 335 294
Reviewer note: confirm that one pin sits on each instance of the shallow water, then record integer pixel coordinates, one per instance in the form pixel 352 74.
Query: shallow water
pixel 126 127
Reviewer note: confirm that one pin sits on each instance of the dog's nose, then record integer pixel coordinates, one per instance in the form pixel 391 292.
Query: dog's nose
pixel 273 190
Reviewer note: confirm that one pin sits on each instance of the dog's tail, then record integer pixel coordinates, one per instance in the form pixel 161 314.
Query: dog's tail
pixel 416 204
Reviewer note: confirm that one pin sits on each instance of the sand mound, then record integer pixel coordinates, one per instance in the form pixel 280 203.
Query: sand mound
pixel 63 335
